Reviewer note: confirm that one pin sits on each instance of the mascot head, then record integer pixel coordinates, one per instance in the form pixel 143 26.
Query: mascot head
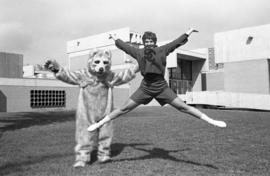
pixel 99 62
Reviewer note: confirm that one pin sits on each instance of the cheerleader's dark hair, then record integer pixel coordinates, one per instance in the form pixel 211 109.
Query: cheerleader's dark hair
pixel 149 35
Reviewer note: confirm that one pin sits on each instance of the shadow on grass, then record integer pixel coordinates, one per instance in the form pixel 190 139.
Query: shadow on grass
pixel 154 153
pixel 14 121
pixel 116 149
pixel 17 166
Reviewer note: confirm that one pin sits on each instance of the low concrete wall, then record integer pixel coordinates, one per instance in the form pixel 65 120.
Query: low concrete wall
pixel 229 99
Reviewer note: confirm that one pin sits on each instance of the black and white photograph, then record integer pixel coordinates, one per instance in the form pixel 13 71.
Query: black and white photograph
pixel 134 88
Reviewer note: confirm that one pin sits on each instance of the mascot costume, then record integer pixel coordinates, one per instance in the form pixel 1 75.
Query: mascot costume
pixel 94 102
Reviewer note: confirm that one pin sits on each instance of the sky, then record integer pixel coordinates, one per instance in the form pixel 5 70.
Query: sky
pixel 40 29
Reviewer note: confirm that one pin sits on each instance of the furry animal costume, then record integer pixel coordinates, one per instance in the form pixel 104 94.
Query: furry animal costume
pixel 94 101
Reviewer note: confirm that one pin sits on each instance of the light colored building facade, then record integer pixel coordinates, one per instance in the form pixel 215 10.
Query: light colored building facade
pixel 234 73
pixel 244 78
pixel 11 65
pixel 245 54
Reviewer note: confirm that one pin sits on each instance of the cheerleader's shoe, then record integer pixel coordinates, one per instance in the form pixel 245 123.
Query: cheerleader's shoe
pixel 79 164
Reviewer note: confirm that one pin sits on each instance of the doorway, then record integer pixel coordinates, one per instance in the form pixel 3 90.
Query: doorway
pixel 180 78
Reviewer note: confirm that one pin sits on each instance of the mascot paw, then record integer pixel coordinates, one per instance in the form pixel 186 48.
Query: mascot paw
pixel 52 65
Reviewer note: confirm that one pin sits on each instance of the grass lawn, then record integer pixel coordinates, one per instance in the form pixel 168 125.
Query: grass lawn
pixel 151 141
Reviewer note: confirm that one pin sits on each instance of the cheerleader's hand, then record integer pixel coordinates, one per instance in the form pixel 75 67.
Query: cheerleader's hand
pixel 191 30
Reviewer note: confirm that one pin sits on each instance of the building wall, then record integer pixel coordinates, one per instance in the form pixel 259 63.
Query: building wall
pixel 213 81
pixel 268 60
pixel 196 75
pixel 120 95
pixel 247 76
pixel 28 71
pixel 118 57
pixel 11 65
pixel 18 98
pixel 78 49
pixel 250 43
pixel 78 62
pixel 15 94
pixel 207 55
pixel 212 60
pixel 97 41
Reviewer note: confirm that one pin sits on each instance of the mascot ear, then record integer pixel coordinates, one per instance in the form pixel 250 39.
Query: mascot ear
pixel 108 53
pixel 93 52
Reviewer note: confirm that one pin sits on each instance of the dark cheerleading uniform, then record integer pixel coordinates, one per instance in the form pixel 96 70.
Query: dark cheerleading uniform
pixel 152 64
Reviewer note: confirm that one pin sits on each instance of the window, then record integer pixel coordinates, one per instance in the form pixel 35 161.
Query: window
pixel 47 98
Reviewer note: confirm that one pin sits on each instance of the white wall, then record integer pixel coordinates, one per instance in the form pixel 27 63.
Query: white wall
pixel 28 71
pixel 234 45
pixel 95 41
pixel 247 77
